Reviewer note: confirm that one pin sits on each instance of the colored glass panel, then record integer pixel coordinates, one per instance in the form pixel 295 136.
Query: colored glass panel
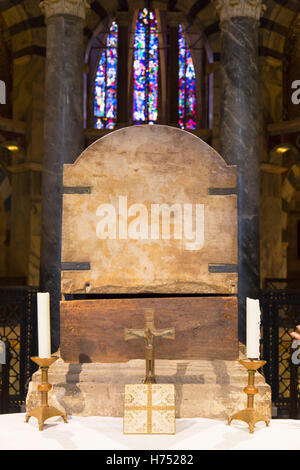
pixel 145 68
pixel 105 100
pixel 187 86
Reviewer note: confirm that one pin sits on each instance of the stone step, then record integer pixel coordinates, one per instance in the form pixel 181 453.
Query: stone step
pixel 212 389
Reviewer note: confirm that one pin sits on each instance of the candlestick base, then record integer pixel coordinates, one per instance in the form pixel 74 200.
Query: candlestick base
pixel 44 411
pixel 249 415
pixel 41 413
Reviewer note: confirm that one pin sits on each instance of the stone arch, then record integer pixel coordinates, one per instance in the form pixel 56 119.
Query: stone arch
pixel 19 30
pixel 277 25
pixel 25 31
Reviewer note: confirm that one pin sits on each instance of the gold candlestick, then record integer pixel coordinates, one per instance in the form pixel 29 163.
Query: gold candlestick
pixel 249 415
pixel 44 411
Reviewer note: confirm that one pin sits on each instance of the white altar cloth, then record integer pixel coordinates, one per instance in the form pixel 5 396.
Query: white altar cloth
pixel 102 433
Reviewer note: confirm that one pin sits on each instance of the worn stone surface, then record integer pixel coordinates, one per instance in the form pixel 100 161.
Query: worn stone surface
pixel 147 165
pixel 208 389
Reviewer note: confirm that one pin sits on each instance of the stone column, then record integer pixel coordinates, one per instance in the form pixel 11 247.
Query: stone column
pixel 174 19
pixel 123 19
pixel 63 133
pixel 239 137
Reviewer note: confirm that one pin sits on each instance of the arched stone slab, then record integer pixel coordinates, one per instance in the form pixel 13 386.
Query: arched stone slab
pixel 112 239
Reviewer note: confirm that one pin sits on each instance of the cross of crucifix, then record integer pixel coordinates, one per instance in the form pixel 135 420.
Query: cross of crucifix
pixel 149 333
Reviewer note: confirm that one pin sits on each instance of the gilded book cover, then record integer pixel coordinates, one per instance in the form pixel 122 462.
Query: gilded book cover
pixel 149 409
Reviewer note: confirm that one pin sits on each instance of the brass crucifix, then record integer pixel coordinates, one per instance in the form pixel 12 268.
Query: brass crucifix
pixel 149 333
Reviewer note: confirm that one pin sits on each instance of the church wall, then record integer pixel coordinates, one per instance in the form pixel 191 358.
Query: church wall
pixel 271 251
pixel 28 106
pixel 293 252
pixel 5 72
pixel 34 154
pixel 35 229
pixel 5 112
pixel 19 234
pixel 270 227
pixel 3 240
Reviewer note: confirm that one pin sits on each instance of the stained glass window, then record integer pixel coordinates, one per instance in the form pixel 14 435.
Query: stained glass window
pixel 187 85
pixel 145 68
pixel 105 98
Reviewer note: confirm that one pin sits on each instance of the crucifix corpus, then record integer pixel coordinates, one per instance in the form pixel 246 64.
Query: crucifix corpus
pixel 149 333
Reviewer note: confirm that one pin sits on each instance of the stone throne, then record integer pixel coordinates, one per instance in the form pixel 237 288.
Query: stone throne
pixel 149 221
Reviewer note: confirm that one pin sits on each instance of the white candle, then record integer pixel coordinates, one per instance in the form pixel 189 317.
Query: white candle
pixel 253 328
pixel 43 313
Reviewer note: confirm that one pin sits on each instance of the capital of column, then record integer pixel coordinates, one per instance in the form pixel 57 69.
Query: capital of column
pixel 228 9
pixel 65 7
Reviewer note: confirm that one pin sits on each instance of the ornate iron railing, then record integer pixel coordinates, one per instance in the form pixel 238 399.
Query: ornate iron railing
pixel 18 328
pixel 280 315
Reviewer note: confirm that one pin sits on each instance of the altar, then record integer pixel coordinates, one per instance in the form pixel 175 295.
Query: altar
pixel 105 433
pixel 149 223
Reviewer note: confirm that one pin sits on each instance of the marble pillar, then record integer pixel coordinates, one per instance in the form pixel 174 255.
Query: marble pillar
pixel 239 136
pixel 63 133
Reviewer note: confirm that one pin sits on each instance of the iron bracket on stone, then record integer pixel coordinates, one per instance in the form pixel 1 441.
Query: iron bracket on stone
pixel 222 268
pixel 75 266
pixel 76 190
pixel 222 191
